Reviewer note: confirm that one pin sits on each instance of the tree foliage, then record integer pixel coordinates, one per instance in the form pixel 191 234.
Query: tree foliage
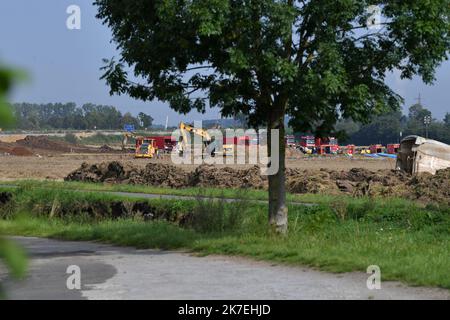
pixel 386 128
pixel 10 254
pixel 31 116
pixel 255 56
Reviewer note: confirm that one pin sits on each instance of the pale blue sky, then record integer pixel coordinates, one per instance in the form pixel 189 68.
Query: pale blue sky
pixel 63 65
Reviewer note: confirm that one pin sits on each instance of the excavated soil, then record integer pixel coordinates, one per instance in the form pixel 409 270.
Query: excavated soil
pixel 32 145
pixel 356 182
pixel 44 143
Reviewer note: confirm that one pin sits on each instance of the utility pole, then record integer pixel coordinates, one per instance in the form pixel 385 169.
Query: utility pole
pixel 426 122
pixel 419 99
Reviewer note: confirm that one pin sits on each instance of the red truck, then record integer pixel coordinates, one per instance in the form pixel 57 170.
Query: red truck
pixel 327 145
pixel 393 148
pixel 376 148
pixel 165 143
pixel 241 140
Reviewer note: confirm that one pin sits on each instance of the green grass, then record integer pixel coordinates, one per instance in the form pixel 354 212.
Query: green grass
pixel 96 139
pixel 229 193
pixel 410 243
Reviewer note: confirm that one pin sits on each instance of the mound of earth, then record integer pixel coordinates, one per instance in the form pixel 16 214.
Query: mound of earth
pixel 356 182
pixel 156 174
pixel 310 181
pixel 210 176
pixel 15 150
pixel 112 172
pixel 20 151
pixel 105 148
pixel 435 188
pixel 44 143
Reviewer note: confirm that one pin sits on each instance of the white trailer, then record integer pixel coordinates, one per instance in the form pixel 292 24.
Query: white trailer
pixel 417 154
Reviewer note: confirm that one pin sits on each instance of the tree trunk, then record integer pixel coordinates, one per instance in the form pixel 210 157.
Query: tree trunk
pixel 278 211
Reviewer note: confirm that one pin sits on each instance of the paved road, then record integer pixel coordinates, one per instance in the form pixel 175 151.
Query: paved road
pixel 109 272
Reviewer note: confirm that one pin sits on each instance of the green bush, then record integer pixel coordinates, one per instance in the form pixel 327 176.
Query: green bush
pixel 71 138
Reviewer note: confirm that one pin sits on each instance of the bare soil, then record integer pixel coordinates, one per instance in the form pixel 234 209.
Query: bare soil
pixel 58 165
pixel 42 145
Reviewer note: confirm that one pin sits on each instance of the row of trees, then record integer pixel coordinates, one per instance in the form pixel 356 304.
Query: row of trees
pixel 69 116
pixel 390 127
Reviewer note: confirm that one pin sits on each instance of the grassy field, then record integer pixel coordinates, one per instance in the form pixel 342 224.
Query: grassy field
pixel 410 243
pixel 194 191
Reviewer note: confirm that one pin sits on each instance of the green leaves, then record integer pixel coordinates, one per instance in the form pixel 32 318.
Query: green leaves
pixel 7 76
pixel 210 15
pixel 10 254
pixel 13 257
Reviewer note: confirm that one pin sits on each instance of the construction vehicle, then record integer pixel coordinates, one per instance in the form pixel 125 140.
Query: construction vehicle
pixel 392 148
pixel 290 141
pixel 376 148
pixel 349 149
pixel 307 144
pixel 327 145
pixel 208 143
pixel 145 147
pixel 126 137
pixel 164 143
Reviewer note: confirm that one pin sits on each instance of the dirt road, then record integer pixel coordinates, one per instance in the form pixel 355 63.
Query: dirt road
pixel 109 272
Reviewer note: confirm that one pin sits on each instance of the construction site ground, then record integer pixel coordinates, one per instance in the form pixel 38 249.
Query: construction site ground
pixel 58 166
pixel 39 157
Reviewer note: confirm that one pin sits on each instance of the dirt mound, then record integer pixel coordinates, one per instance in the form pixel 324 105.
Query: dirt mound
pixel 105 148
pixel 430 187
pixel 21 151
pixel 356 182
pixel 309 181
pixel 156 174
pixel 104 172
pixel 44 143
pixel 15 150
pixel 210 176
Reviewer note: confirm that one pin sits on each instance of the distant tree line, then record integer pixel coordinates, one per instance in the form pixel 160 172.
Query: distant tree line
pixel 90 116
pixel 386 128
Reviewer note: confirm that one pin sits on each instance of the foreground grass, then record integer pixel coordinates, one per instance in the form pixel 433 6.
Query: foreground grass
pixel 418 258
pixel 410 243
pixel 250 194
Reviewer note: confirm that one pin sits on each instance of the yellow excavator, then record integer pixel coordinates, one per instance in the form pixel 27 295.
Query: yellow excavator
pixel 228 150
pixel 144 147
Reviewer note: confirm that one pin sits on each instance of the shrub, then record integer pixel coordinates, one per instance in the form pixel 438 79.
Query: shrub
pixel 71 138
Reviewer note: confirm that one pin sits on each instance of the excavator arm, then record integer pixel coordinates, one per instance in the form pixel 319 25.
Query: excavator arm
pixel 126 137
pixel 184 128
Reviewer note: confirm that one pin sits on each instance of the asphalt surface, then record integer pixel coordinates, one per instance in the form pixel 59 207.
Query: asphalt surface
pixel 109 272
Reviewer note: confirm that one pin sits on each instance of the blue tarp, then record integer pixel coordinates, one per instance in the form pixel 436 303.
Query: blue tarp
pixel 388 155
pixel 370 155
